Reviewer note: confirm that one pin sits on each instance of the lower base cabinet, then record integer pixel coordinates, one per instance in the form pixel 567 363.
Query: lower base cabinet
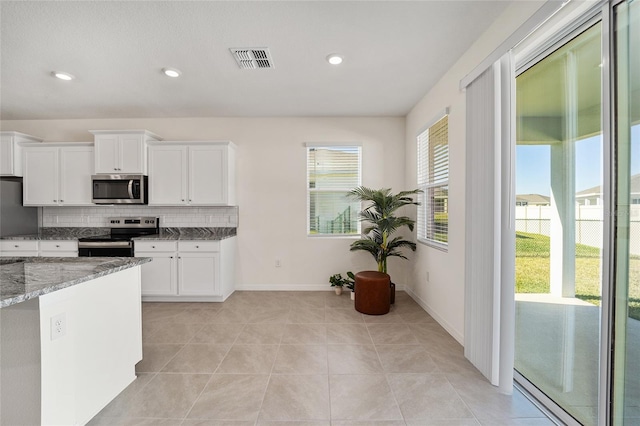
pixel 43 248
pixel 198 270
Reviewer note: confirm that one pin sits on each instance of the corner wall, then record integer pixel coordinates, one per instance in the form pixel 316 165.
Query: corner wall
pixel 442 294
pixel 271 192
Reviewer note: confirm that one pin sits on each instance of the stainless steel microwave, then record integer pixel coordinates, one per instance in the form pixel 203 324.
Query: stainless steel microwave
pixel 120 189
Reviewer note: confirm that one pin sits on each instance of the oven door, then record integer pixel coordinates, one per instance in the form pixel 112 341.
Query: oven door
pixel 119 189
pixel 105 249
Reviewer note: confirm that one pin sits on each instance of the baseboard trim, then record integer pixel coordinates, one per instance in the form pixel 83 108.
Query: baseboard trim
pixel 284 287
pixel 293 287
pixel 450 329
pixel 184 298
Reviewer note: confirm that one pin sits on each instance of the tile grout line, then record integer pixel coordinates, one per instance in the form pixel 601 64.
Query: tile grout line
pixel 264 394
pixel 384 372
pixel 214 371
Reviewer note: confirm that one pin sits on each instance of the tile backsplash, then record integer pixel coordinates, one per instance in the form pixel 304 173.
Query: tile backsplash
pixel 169 216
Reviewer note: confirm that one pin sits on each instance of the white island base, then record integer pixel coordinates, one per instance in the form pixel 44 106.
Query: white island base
pixel 65 355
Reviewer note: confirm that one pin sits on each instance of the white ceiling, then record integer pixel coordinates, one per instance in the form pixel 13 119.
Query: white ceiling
pixel 394 52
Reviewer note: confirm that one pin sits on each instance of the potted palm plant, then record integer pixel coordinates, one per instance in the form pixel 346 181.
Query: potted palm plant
pixel 382 222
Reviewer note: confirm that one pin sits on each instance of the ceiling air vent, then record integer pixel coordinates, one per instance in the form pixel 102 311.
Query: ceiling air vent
pixel 253 57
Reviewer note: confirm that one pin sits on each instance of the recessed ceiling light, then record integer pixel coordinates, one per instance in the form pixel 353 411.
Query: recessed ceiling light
pixel 62 75
pixel 334 59
pixel 171 72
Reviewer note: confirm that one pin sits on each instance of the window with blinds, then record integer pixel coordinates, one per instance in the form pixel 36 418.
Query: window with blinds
pixel 332 171
pixel 433 179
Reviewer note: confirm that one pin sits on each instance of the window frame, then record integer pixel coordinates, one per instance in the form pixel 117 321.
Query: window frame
pixel 309 145
pixel 427 185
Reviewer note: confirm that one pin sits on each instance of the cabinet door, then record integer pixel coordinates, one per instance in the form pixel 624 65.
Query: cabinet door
pixel 76 168
pixel 107 154
pixel 132 157
pixel 168 175
pixel 207 175
pixel 198 274
pixel 18 248
pixel 7 156
pixel 40 183
pixel 159 275
pixel 58 248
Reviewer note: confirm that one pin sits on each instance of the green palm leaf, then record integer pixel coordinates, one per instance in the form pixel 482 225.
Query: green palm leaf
pixel 379 215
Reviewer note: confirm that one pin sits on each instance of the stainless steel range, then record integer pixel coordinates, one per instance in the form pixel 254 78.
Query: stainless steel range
pixel 118 243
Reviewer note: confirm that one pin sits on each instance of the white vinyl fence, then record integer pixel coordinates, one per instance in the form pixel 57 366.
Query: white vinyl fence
pixel 536 220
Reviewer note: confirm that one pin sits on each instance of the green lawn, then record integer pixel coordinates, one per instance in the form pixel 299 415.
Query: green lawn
pixel 532 271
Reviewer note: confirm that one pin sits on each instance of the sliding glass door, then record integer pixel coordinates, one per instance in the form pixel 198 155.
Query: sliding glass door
pixel 559 223
pixel 626 386
pixel 578 220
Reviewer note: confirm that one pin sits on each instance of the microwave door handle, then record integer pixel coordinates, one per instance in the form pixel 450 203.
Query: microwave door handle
pixel 130 188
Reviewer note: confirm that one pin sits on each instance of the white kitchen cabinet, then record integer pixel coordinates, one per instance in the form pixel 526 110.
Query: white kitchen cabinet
pixel 11 152
pixel 194 270
pixel 57 174
pixel 199 268
pixel 122 151
pixel 159 278
pixel 18 248
pixel 192 174
pixel 43 248
pixel 168 175
pixel 58 248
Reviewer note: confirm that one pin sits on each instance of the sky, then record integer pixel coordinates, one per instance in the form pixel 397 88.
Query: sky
pixel 533 169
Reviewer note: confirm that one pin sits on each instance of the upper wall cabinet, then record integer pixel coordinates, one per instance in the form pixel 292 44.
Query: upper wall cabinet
pixel 192 174
pixel 122 151
pixel 58 174
pixel 11 152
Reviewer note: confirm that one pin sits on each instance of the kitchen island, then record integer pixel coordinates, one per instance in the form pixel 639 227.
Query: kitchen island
pixel 70 336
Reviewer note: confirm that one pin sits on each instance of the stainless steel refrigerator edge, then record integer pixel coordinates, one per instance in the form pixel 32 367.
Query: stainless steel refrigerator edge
pixel 14 218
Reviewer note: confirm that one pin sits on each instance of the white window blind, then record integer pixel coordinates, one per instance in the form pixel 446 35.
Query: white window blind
pixel 433 180
pixel 333 171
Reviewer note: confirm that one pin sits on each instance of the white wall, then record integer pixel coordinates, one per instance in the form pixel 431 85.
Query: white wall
pixel 271 179
pixel 443 294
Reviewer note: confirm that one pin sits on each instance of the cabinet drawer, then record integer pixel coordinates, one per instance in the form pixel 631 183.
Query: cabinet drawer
pixel 19 245
pixel 58 245
pixel 154 246
pixel 198 246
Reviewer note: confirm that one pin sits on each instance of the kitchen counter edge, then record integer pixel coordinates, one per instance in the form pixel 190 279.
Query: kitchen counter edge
pixel 15 286
pixel 71 234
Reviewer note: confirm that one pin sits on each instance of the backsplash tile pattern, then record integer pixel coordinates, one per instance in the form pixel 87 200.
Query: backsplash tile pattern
pixel 191 217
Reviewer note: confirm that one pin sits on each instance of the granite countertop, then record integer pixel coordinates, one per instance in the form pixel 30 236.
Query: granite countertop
pixel 53 233
pixel 191 234
pixel 24 278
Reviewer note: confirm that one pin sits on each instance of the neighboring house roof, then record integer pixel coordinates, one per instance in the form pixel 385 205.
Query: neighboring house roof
pixel 533 199
pixel 597 190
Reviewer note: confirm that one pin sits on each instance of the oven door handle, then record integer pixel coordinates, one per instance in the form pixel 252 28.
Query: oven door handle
pixel 130 188
pixel 104 244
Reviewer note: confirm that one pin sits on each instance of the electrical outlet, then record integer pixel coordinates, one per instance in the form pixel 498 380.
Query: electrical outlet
pixel 58 326
pixel 278 263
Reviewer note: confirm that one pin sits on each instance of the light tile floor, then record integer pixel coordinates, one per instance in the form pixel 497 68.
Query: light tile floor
pixel 305 358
